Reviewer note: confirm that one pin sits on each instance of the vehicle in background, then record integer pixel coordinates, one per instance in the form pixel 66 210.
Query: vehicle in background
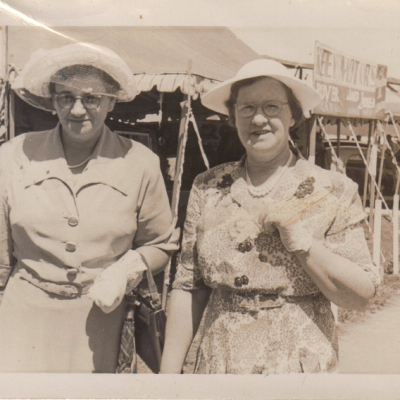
pixel 354 166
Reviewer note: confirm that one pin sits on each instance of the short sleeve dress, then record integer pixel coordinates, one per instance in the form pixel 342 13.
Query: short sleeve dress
pixel 265 314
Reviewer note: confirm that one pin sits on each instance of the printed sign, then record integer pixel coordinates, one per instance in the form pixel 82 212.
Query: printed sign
pixel 349 87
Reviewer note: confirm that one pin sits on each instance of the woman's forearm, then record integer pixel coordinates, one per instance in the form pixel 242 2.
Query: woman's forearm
pixel 185 310
pixel 155 258
pixel 342 281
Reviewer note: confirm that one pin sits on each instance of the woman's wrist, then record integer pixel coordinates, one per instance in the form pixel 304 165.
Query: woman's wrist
pixel 296 238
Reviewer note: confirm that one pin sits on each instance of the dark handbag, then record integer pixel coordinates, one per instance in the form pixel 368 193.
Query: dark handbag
pixel 147 326
pixel 150 321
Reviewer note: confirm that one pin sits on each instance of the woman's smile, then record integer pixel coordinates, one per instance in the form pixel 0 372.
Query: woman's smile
pixel 78 121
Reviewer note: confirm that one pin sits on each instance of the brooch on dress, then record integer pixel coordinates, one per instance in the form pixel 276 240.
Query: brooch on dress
pixel 226 182
pixel 306 187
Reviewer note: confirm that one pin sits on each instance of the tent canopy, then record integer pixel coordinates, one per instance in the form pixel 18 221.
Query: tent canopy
pixel 160 55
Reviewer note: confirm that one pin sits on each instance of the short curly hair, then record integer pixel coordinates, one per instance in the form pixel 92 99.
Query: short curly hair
pixel 294 104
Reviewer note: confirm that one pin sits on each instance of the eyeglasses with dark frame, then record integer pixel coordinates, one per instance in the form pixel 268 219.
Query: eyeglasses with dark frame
pixel 67 100
pixel 270 108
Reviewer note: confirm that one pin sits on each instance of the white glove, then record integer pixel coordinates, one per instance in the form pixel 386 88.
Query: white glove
pixel 116 280
pixel 287 216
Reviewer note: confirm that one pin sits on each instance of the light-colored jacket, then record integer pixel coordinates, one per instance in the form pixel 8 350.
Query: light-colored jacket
pixel 65 229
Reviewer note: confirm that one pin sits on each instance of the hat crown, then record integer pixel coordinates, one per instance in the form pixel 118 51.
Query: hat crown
pixel 262 67
pixel 36 75
pixel 308 97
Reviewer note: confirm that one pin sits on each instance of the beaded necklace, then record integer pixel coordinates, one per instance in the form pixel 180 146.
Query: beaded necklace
pixel 266 187
pixel 79 165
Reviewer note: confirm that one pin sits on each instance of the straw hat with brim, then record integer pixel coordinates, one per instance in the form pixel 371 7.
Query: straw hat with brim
pixel 308 97
pixel 32 84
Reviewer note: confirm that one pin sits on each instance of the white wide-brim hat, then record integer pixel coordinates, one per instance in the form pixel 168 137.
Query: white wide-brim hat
pixel 32 84
pixel 307 96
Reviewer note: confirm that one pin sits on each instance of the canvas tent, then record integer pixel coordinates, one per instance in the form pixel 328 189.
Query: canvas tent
pixel 159 55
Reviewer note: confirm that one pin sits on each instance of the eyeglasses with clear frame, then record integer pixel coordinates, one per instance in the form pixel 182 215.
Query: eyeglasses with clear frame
pixel 89 101
pixel 270 108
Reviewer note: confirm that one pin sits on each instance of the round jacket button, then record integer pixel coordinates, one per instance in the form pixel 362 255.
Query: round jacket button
pixel 72 271
pixel 69 246
pixel 72 221
pixel 245 280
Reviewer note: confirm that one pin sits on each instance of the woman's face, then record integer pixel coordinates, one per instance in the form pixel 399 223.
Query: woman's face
pixel 78 122
pixel 263 136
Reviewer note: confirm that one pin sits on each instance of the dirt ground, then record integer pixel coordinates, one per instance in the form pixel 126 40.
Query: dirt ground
pixel 372 346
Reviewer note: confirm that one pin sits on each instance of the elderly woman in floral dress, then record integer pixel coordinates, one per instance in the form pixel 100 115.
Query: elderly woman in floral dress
pixel 269 242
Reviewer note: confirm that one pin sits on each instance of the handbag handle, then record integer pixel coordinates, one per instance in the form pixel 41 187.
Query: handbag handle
pixel 155 296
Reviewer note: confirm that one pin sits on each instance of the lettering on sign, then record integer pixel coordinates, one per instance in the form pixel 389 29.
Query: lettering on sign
pixel 348 86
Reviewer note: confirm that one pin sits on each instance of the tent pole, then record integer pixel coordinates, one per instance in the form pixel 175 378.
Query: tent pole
pixel 372 167
pixel 366 169
pixel 312 141
pixel 181 154
pixel 395 222
pixel 381 164
pixel 182 138
pixel 176 191
pixel 376 251
pixel 11 113
pixel 4 52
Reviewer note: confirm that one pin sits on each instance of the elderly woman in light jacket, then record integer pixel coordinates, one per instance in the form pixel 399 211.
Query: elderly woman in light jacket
pixel 83 213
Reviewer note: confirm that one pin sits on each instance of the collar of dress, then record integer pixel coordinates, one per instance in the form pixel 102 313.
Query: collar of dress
pixel 46 160
pixel 286 185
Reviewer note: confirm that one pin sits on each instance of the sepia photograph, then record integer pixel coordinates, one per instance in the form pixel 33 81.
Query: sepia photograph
pixel 200 199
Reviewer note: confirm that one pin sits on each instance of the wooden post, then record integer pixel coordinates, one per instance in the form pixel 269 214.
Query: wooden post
pixel 338 137
pixel 376 254
pixel 372 168
pixel 370 128
pixel 182 139
pixel 313 141
pixel 366 178
pixel 381 165
pixel 395 234
pixel 3 51
pixel 11 114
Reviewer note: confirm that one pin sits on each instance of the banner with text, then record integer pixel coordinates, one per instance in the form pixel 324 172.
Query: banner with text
pixel 349 87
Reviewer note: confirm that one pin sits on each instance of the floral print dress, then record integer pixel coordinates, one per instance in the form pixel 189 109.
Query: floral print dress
pixel 265 314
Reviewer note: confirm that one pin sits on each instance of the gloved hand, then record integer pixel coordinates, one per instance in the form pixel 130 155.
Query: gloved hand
pixel 287 216
pixel 116 280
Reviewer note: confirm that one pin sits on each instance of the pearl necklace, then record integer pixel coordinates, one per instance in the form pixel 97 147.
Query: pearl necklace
pixel 266 187
pixel 79 165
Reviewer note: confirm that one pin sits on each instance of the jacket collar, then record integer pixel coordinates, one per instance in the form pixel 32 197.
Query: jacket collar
pixel 47 161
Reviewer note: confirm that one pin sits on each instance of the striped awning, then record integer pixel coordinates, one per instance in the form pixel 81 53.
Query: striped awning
pixel 170 82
